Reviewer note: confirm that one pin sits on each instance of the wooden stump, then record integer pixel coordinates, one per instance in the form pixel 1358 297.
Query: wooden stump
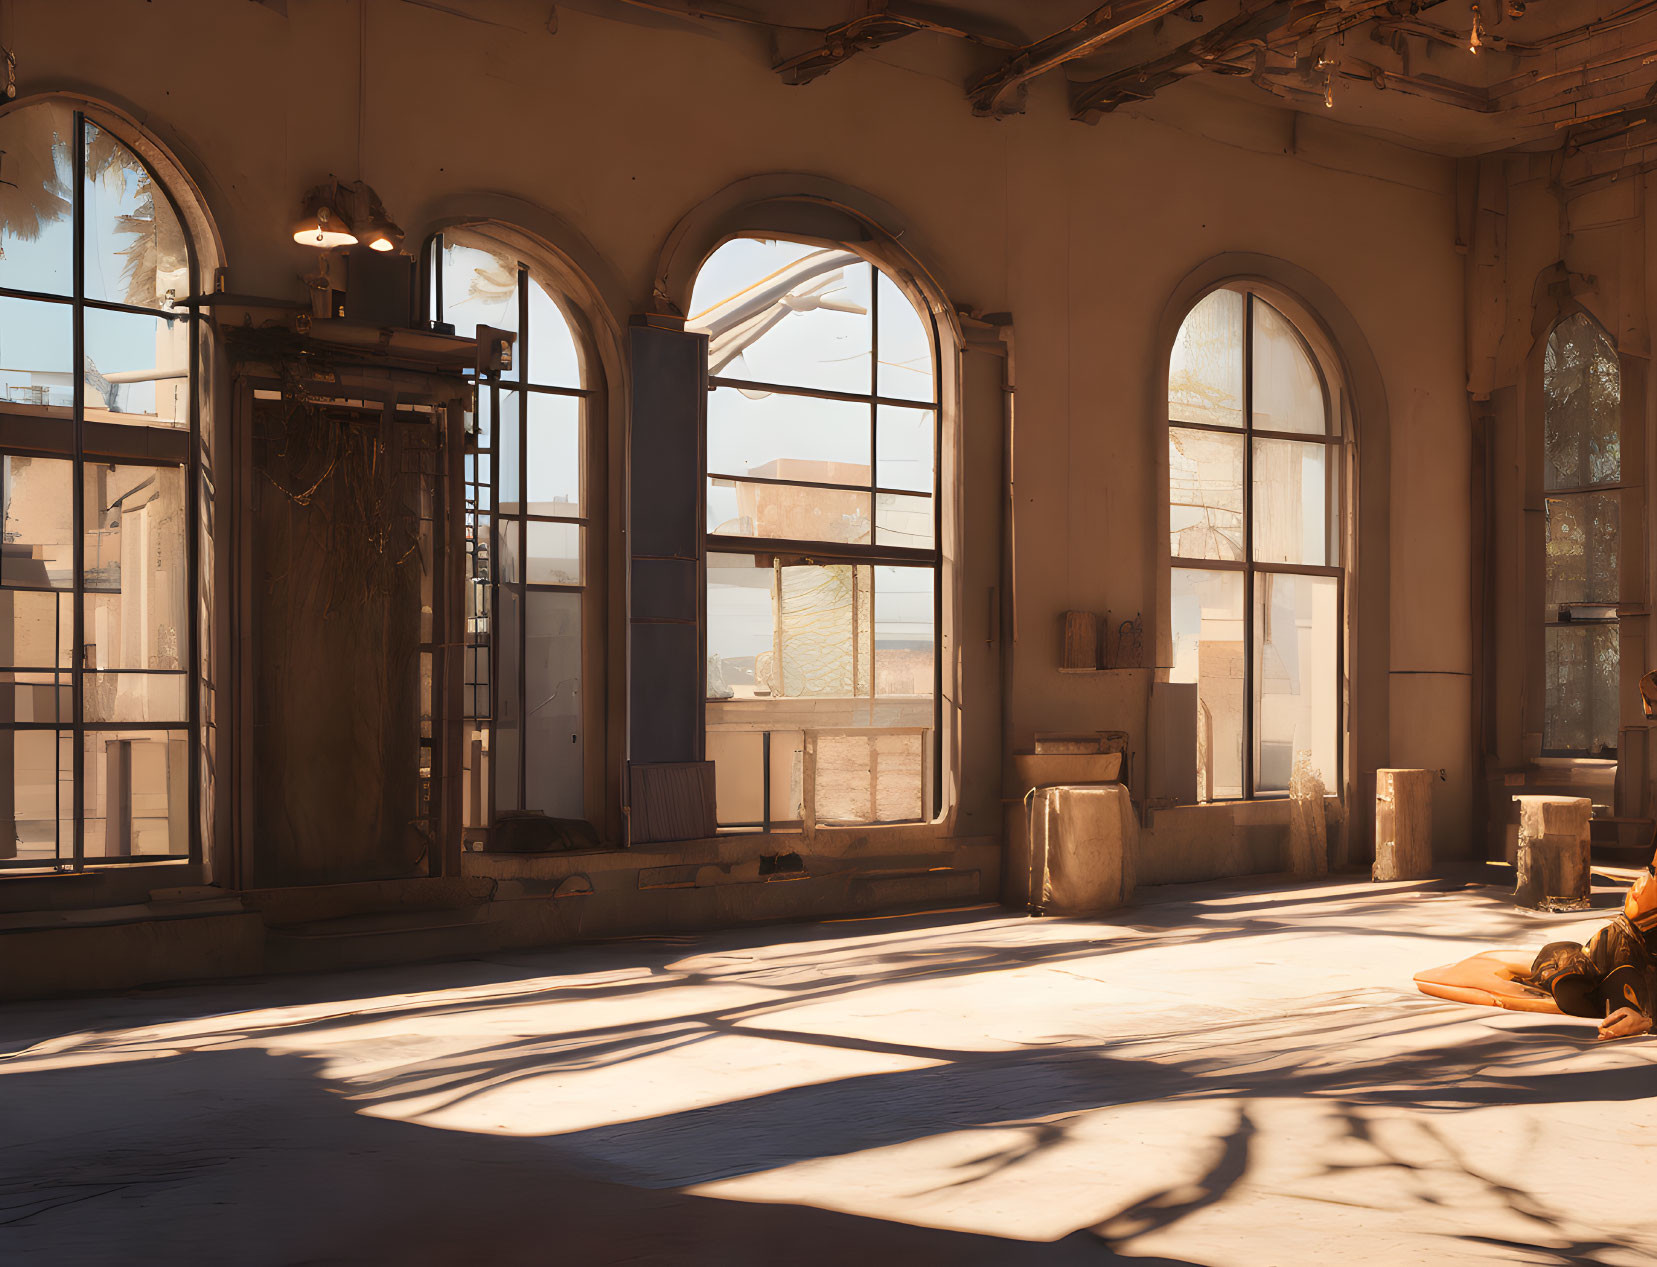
pixel 1553 852
pixel 1403 824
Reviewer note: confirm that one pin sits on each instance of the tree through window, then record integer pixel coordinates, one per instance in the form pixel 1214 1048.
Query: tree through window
pixel 1581 473
pixel 1255 473
pixel 822 521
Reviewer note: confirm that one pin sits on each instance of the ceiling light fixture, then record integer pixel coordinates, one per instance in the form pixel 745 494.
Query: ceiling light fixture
pixel 323 224
pixel 1476 39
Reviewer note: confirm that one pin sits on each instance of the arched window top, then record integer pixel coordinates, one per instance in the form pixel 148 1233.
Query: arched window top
pixel 1283 389
pixel 482 281
pixel 1582 403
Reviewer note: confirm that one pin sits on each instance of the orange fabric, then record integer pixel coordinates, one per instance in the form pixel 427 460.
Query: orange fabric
pixel 1641 903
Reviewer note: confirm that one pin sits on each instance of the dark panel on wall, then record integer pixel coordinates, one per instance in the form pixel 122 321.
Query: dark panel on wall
pixel 665 446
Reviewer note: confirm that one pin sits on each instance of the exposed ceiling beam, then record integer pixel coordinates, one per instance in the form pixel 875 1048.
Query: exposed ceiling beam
pixel 1001 91
pixel 832 47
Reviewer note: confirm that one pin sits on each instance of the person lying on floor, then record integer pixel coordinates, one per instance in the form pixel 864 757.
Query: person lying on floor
pixel 1613 978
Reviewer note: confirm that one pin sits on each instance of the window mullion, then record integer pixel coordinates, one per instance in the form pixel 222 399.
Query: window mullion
pixel 77 204
pixel 1250 704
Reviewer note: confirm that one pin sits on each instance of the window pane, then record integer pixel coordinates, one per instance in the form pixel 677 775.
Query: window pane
pixel 741 627
pixel 506 434
pixel 778 312
pixel 135 248
pixel 1207 627
pixel 37 248
pixel 136 793
pixel 904 639
pixel 787 776
pixel 39 549
pixel 905 361
pixel 905 441
pixel 552 704
pixel 134 697
pixel 738 758
pixel 1205 371
pixel 1291 502
pixel 135 546
pixel 554 455
pixel 1581 670
pixel 37 349
pixel 550 359
pixel 870 778
pixel 137 368
pixel 788 437
pixel 36 630
pixel 1297 677
pixel 1205 495
pixel 554 553
pixel 35 697
pixel 788 512
pixel 1582 404
pixel 1288 393
pixel 480 287
pixel 42 769
pixel 508 700
pixel 508 551
pixel 1580 557
pixel 796 631
pixel 903 521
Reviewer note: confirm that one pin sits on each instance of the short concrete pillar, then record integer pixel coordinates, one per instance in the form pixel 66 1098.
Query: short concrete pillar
pixel 1553 852
pixel 1403 824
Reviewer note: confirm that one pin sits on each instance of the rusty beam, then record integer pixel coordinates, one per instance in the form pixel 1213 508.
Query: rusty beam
pixel 833 46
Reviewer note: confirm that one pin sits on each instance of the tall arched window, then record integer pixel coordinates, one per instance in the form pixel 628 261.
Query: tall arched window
pixel 99 627
pixel 1256 471
pixel 1581 472
pixel 822 546
pixel 527 517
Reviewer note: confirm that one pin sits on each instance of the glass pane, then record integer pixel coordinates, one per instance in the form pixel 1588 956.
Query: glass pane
pixel 788 512
pixel 787 776
pixel 904 632
pixel 134 697
pixel 1207 627
pixel 144 628
pixel 135 247
pixel 35 698
pixel 1291 502
pixel 507 433
pixel 553 555
pixel 37 349
pixel 1288 392
pixel 42 765
pixel 1205 370
pixel 508 700
pixel 1297 678
pixel 905 361
pixel 136 793
pixel 780 312
pixel 738 758
pixel 903 521
pixel 39 628
pixel 1582 406
pixel 1205 495
pixel 508 551
pixel 135 547
pixel 783 437
pixel 905 440
pixel 474 776
pixel 552 704
pixel 1580 556
pixel 37 172
pixel 1580 672
pixel 137 368
pixel 550 359
pixel 38 550
pixel 741 627
pixel 870 778
pixel 480 287
pixel 554 455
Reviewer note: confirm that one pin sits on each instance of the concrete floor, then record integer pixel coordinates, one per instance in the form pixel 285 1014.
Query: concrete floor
pixel 1226 1074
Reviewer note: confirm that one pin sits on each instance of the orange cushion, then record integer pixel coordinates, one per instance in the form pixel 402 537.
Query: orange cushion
pixel 1488 981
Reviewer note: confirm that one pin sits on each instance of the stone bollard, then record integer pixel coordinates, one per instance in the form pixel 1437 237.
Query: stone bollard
pixel 1553 852
pixel 1403 824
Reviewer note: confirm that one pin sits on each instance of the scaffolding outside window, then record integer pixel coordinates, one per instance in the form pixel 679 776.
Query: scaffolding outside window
pixel 1256 475
pixel 98 489
pixel 822 520
pixel 1582 504
pixel 527 521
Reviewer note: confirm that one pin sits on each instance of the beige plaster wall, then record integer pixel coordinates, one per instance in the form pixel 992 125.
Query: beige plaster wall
pixel 1080 232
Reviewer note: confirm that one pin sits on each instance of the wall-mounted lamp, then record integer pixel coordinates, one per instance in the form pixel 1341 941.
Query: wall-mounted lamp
pixel 337 215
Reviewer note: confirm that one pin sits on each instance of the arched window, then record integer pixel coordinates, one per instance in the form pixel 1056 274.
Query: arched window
pixel 99 623
pixel 527 517
pixel 822 546
pixel 1256 470
pixel 1581 471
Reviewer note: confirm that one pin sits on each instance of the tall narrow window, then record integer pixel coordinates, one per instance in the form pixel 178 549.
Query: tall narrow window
pixel 526 525
pixel 822 519
pixel 97 411
pixel 1581 473
pixel 1255 474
